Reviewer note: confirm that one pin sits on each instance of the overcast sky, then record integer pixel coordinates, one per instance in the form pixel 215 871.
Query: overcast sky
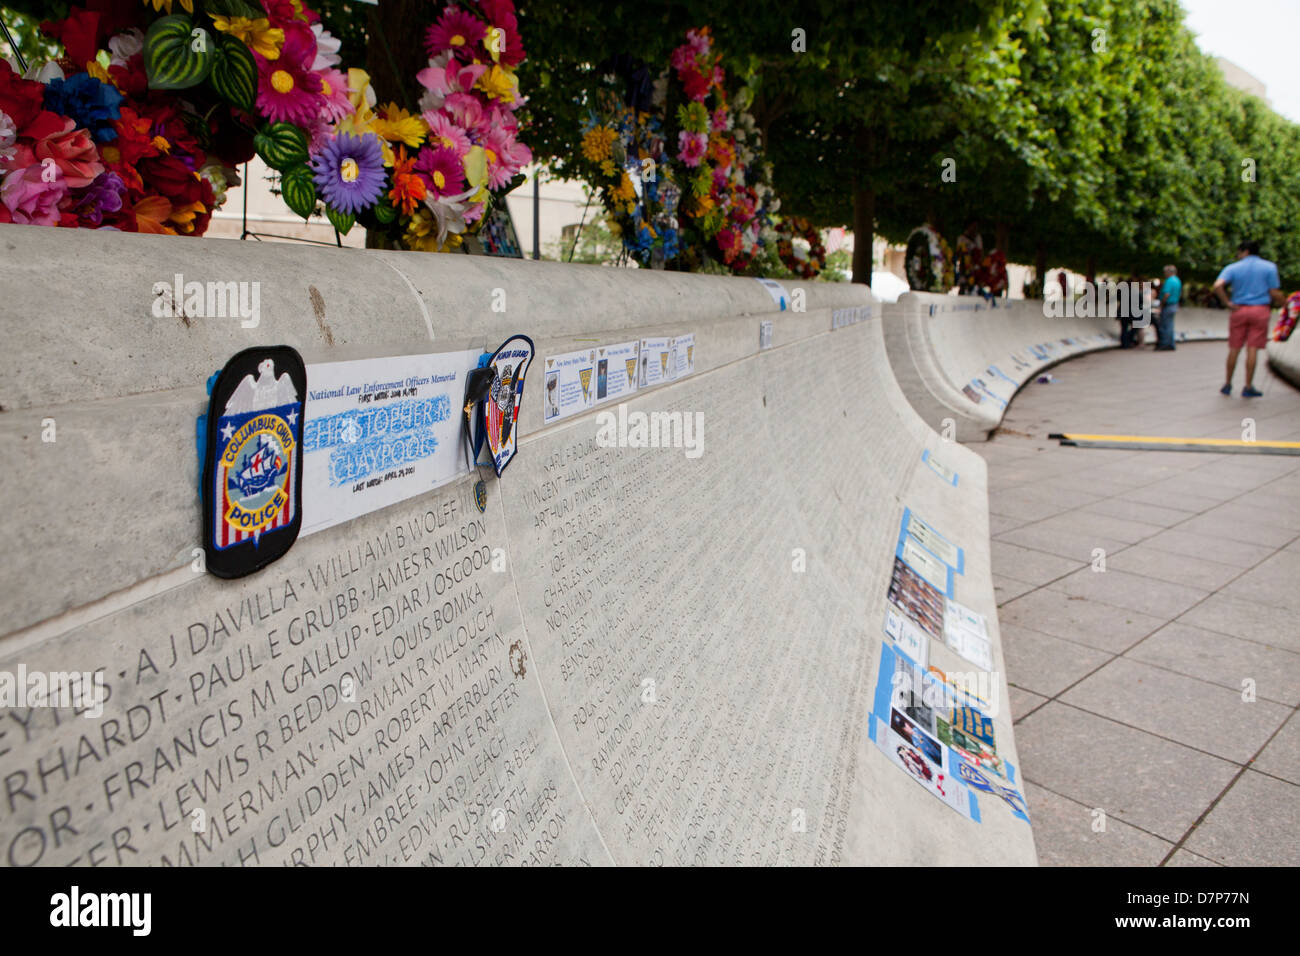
pixel 1260 36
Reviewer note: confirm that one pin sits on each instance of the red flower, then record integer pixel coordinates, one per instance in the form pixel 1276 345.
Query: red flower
pixel 79 34
pixel 130 78
pixel 22 99
pixel 694 84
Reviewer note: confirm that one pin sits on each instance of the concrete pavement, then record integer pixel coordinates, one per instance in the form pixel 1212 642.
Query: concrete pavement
pixel 1155 701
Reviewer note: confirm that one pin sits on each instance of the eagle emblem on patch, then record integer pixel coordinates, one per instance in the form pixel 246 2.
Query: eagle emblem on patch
pixel 252 486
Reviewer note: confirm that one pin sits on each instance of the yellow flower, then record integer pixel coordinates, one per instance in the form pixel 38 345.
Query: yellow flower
pixel 607 167
pixel 476 171
pixel 183 216
pixel 167 5
pixel 624 190
pixel 494 38
pixel 93 68
pixel 258 34
pixel 399 126
pixel 499 85
pixel 596 143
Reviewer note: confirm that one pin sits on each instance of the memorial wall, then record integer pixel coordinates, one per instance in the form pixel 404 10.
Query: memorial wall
pixel 747 643
pixel 960 360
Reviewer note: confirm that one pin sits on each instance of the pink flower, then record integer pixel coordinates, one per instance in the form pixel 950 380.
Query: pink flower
pixel 32 195
pixel 334 89
pixel 699 42
pixel 442 171
pixel 467 112
pixel 691 147
pixel 457 31
pixel 287 91
pixel 721 120
pixel 501 155
pixel 443 79
pixel 446 134
pixel 72 150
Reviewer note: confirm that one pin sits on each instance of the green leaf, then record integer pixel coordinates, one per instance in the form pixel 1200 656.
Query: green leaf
pixel 342 221
pixel 233 8
pixel 234 73
pixel 177 54
pixel 384 212
pixel 299 191
pixel 282 145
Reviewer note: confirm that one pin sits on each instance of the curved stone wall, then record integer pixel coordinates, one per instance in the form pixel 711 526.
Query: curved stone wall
pixel 633 656
pixel 960 361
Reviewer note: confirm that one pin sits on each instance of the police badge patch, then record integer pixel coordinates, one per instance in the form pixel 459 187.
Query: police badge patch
pixel 252 465
pixel 500 415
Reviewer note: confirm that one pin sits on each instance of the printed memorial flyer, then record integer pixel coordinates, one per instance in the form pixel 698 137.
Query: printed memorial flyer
pixel 379 431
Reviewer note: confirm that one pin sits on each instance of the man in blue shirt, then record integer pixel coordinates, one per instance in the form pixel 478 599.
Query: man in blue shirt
pixel 1171 293
pixel 1255 286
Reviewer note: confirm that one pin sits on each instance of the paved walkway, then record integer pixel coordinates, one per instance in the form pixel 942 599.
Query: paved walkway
pixel 1127 686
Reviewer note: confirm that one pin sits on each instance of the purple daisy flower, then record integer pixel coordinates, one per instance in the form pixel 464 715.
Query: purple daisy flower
pixel 349 172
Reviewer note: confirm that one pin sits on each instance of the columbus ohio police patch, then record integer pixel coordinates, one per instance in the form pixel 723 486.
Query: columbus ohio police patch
pixel 252 468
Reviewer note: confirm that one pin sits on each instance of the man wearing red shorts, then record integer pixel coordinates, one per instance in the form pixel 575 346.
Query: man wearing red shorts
pixel 1255 287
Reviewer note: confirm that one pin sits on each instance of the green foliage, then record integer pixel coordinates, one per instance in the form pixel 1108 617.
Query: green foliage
pixel 177 54
pixel 282 145
pixel 234 72
pixel 299 191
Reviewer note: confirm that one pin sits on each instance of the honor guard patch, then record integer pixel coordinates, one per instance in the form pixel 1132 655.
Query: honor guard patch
pixel 252 464
pixel 500 415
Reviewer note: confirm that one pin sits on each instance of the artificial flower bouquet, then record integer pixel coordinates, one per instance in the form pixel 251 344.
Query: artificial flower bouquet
pixel 427 179
pixel 623 157
pixel 727 199
pixel 804 263
pixel 928 261
pixel 140 124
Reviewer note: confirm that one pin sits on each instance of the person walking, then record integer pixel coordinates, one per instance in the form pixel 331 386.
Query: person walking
pixel 1171 293
pixel 1255 286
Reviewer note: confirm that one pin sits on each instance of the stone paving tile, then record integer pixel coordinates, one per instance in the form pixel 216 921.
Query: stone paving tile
pixel 1087 622
pixel 1155 784
pixel 1223 660
pixel 1249 620
pixel 1034 504
pixel 1272 581
pixel 1137 511
pixel 1027 564
pixel 1008 589
pixel 1133 591
pixel 1045 664
pixel 1240 554
pixel 1067 540
pixel 1157 495
pixel 1065 835
pixel 1281 757
pixel 1235 529
pixel 1199 714
pixel 1252 825
pixel 1001 523
pixel 1258 508
pixel 1023 702
pixel 1175 568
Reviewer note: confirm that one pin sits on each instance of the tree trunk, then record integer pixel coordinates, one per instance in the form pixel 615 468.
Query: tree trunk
pixel 1040 267
pixel 1002 238
pixel 864 224
pixel 1092 270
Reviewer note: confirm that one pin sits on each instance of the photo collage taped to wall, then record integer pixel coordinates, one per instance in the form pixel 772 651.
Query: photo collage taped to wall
pixel 937 726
